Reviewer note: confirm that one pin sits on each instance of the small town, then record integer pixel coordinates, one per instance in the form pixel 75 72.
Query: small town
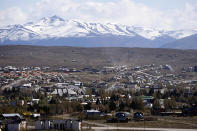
pixel 43 98
pixel 98 65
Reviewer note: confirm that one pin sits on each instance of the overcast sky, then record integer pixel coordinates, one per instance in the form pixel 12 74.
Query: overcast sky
pixel 166 14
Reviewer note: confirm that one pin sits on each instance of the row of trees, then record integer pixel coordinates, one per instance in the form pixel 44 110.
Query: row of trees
pixel 59 105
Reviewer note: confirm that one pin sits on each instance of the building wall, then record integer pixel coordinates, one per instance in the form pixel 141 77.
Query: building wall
pixel 13 127
pixel 58 124
pixel 23 125
pixel 39 125
pixel 17 127
pixel 76 125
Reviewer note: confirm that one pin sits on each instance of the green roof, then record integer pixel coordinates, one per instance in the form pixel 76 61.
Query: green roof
pixel 147 97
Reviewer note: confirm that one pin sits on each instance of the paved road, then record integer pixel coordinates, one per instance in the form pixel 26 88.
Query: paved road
pixel 103 127
pixel 141 71
pixel 140 129
pixel 95 123
pixel 11 84
pixel 14 83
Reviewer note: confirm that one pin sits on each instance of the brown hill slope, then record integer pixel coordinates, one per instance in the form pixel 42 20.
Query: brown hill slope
pixel 20 55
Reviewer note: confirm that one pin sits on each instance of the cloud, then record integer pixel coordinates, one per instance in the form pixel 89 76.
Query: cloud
pixel 119 11
pixel 185 18
pixel 13 15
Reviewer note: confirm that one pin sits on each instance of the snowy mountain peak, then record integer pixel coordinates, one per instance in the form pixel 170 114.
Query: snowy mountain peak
pixel 56 27
pixel 55 17
pixel 54 20
pixel 51 19
pixel 18 26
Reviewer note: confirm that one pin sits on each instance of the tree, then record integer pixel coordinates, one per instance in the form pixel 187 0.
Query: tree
pixel 112 105
pixel 137 104
pixel 121 106
pixel 193 100
pixel 54 100
pixel 156 104
pixel 98 101
pixel 88 106
pixel 52 109
pixel 66 106
pixel 169 103
pixel 76 106
pixel 6 109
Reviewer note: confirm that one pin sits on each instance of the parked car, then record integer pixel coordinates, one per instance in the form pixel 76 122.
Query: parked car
pixel 138 116
pixel 119 117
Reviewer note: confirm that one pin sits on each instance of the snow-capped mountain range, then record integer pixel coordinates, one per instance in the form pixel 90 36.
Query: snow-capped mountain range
pixel 54 30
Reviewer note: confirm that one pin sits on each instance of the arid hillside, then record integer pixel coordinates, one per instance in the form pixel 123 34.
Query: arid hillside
pixel 20 55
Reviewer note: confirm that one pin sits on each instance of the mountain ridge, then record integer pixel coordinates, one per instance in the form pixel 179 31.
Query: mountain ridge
pixel 87 34
pixel 189 42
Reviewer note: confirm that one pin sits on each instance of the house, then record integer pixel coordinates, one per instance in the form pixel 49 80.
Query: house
pixel 161 102
pixel 58 124
pixel 159 89
pixel 195 68
pixel 12 103
pixel 55 92
pixel 71 92
pixel 68 90
pixel 19 102
pixel 133 87
pixel 61 85
pixel 27 114
pixel 92 113
pixel 35 115
pixel 77 83
pixel 28 85
pixel 60 92
pixel 189 111
pixel 16 125
pixel 43 125
pixel 14 122
pixel 148 100
pixel 36 101
pixel 11 115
